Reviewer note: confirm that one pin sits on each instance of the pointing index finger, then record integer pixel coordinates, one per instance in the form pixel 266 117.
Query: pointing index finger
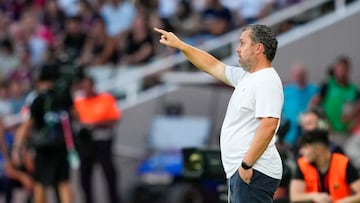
pixel 161 31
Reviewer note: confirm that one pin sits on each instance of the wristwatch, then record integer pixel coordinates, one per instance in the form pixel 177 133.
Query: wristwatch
pixel 245 166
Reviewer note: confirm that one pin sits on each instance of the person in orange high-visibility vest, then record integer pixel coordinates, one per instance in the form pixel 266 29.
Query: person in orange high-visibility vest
pixel 98 114
pixel 322 176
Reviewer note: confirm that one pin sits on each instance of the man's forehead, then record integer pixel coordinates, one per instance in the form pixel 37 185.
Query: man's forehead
pixel 309 116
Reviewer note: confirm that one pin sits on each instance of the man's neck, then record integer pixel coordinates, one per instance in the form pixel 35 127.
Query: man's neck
pixel 323 162
pixel 301 85
pixel 261 64
pixel 342 81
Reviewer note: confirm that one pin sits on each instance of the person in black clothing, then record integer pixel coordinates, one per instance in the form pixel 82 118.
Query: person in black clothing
pixel 139 45
pixel 74 40
pixel 216 19
pixel 99 47
pixel 51 166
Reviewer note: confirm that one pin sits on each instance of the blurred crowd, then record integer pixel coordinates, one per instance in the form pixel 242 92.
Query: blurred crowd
pixel 91 33
pixel 111 32
pixel 325 113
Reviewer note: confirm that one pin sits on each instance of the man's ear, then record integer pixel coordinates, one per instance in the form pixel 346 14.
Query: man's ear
pixel 259 49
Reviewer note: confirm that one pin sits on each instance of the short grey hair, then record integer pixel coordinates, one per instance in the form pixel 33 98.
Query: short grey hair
pixel 264 35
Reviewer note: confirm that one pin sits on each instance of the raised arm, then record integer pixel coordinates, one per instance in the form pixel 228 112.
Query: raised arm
pixel 201 59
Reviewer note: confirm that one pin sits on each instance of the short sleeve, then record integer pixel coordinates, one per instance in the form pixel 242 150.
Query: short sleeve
pixel 234 74
pixel 269 99
pixel 298 174
pixel 36 108
pixel 323 90
pixel 351 173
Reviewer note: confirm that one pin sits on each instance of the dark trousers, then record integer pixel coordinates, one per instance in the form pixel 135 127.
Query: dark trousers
pixel 260 190
pixel 99 151
pixel 6 188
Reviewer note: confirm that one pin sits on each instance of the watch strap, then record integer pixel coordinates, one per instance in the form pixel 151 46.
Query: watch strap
pixel 245 166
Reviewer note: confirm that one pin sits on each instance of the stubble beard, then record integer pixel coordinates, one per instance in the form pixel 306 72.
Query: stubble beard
pixel 246 65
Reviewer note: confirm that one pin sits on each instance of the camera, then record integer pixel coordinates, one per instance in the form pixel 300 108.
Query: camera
pixel 202 164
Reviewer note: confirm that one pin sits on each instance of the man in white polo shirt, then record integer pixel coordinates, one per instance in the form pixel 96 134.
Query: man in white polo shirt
pixel 249 156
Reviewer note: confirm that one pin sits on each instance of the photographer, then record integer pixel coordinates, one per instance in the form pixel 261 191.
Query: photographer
pixel 51 166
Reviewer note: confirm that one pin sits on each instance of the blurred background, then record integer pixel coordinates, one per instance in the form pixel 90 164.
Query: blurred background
pixel 166 145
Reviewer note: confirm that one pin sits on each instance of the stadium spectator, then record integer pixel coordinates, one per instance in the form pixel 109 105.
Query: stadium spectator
pixel 352 143
pixel 166 10
pixel 355 119
pixel 12 9
pixel 249 11
pixel 53 17
pixel 297 95
pixel 114 10
pixel 74 40
pixel 5 105
pixel 88 13
pixel 335 95
pixel 139 45
pixel 45 133
pixel 17 37
pixel 10 61
pixel 216 19
pixel 99 46
pixel 186 21
pixel 315 118
pixel 37 37
pixel 16 95
pixel 323 176
pixel 98 114
pixel 70 7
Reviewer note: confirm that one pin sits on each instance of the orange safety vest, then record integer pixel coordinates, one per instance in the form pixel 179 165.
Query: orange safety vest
pixel 99 108
pixel 336 176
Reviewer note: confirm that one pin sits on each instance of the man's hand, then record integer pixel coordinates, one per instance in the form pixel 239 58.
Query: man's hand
pixel 27 182
pixel 169 39
pixel 322 198
pixel 246 175
pixel 199 58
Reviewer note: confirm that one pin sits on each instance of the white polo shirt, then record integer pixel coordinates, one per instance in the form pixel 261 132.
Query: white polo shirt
pixel 256 95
